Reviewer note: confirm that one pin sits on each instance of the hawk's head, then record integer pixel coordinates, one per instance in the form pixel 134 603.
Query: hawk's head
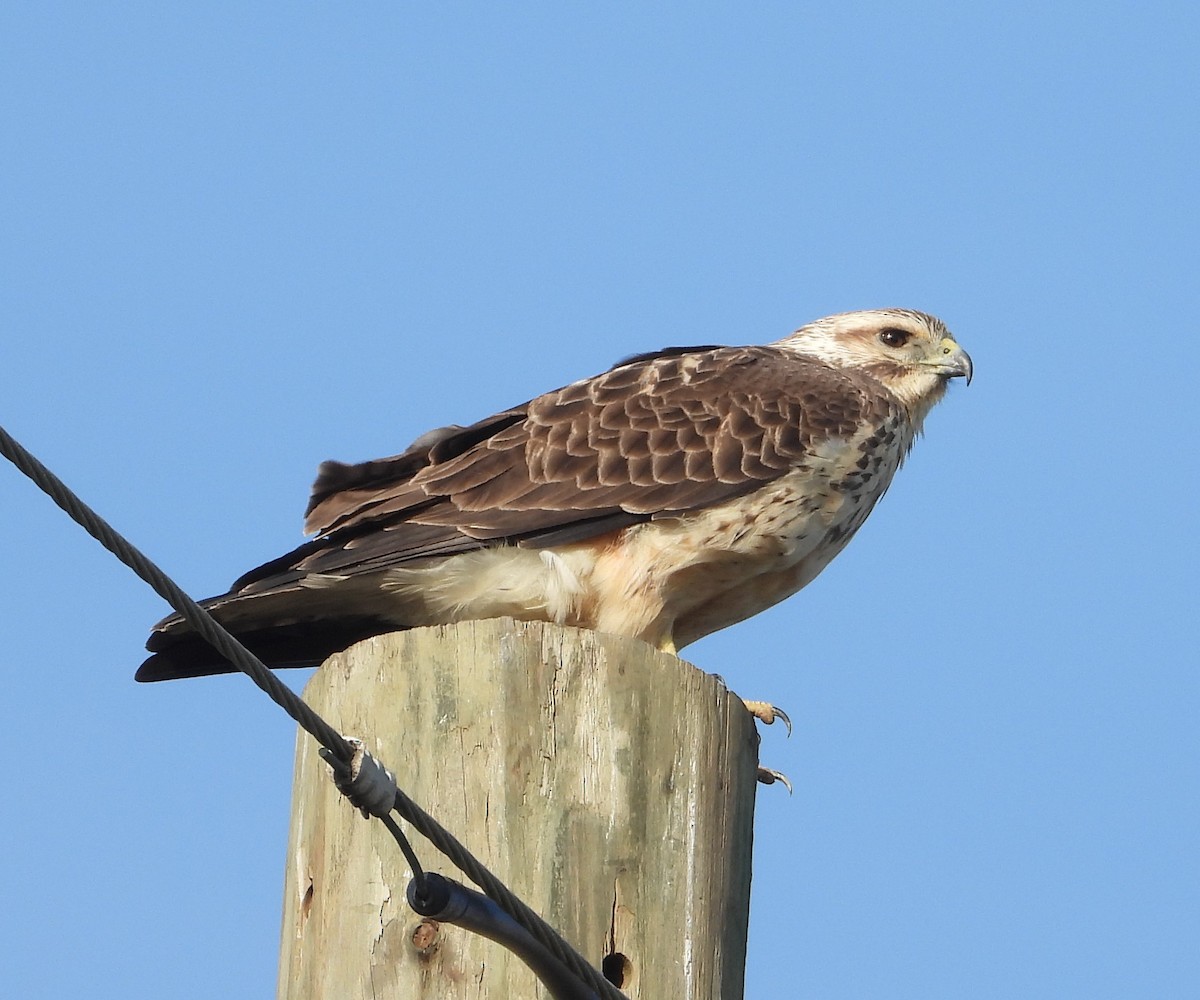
pixel 909 352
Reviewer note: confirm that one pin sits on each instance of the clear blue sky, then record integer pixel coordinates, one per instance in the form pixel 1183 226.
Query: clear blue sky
pixel 239 241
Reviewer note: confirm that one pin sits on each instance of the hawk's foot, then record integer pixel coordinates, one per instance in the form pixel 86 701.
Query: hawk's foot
pixel 767 713
pixel 768 777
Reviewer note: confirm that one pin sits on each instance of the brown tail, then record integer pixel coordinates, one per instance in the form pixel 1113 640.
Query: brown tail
pixel 304 644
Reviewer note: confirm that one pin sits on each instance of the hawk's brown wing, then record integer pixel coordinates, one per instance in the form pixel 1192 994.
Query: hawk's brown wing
pixel 659 436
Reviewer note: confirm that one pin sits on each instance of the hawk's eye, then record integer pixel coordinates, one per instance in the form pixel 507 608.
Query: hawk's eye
pixel 893 337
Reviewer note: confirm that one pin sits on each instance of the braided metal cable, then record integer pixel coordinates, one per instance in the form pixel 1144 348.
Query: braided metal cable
pixel 204 623
pixel 209 629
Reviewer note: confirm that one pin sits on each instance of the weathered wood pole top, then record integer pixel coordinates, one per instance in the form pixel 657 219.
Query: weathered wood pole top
pixel 611 786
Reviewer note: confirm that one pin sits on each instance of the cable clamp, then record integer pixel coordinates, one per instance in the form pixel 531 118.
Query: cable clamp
pixel 369 786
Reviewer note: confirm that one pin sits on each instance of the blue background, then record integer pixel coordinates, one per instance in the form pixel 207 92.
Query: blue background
pixel 238 239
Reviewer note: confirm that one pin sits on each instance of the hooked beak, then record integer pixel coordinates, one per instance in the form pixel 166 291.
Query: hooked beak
pixel 952 361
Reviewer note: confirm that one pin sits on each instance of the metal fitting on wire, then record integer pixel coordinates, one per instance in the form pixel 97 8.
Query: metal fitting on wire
pixel 369 786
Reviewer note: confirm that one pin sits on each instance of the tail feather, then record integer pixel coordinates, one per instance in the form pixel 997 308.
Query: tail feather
pixel 293 625
pixel 301 644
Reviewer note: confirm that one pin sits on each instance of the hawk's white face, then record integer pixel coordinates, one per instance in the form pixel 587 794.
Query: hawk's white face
pixel 909 352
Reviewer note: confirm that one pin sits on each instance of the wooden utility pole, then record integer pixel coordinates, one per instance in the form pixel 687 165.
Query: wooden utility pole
pixel 609 785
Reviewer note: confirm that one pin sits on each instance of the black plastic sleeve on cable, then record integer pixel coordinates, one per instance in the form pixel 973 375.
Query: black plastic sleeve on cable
pixel 438 898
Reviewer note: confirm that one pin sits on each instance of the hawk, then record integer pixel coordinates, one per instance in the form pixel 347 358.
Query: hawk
pixel 675 494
